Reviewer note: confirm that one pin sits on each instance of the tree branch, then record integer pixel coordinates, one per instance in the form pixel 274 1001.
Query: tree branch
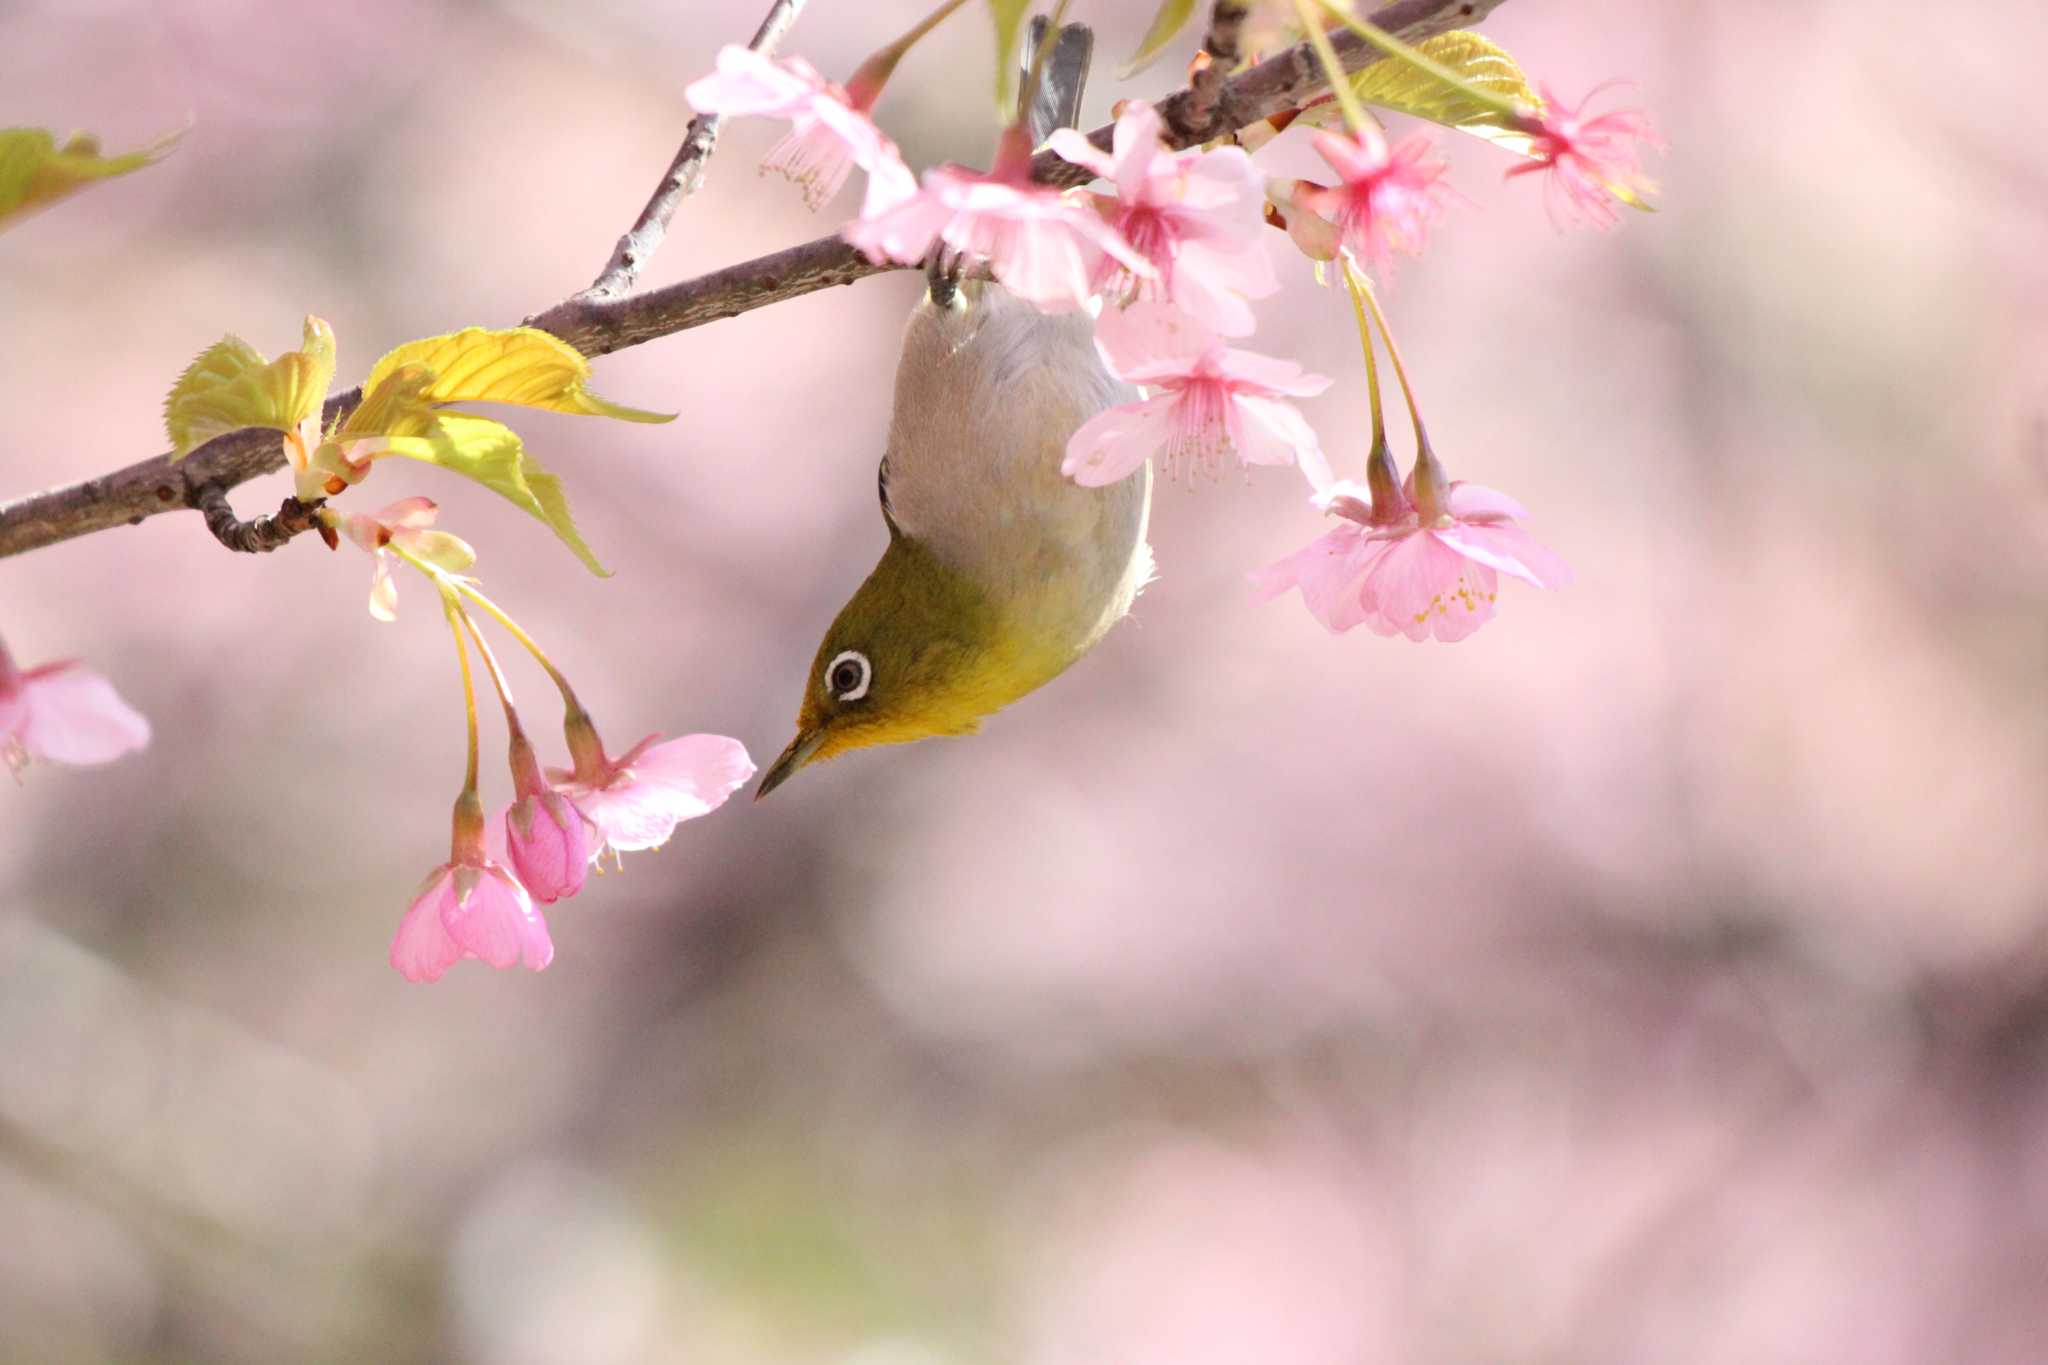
pixel 598 326
pixel 685 173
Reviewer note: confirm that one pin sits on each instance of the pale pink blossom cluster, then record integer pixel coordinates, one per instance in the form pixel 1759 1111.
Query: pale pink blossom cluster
pixel 484 901
pixel 546 840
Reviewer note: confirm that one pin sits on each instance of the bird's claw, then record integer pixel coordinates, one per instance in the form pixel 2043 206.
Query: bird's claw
pixel 942 272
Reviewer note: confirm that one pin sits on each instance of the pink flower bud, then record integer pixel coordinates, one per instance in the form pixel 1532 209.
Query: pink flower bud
pixel 549 844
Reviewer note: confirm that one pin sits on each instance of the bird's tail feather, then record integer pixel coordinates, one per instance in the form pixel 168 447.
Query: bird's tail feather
pixel 1057 102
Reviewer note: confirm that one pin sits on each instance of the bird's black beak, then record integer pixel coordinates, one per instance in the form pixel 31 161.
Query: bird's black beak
pixel 800 751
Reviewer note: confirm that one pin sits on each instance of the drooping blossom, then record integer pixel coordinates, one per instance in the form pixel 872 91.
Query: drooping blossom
pixel 1194 215
pixel 63 712
pixel 1405 571
pixel 470 906
pixel 636 800
pixel 405 524
pixel 1386 200
pixel 830 131
pixel 1211 401
pixel 547 840
pixel 1044 245
pixel 1592 159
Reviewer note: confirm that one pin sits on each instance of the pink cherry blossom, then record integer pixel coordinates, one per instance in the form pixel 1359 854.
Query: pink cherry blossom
pixel 64 712
pixel 1212 401
pixel 405 524
pixel 1591 159
pixel 637 800
pixel 1386 202
pixel 1042 244
pixel 830 131
pixel 469 906
pixel 469 909
pixel 1194 215
pixel 1402 572
pixel 547 840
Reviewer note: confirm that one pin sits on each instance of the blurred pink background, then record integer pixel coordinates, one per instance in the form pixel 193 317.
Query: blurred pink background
pixel 1661 975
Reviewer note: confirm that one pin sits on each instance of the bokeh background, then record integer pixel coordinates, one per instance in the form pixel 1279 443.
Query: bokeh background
pixel 1661 975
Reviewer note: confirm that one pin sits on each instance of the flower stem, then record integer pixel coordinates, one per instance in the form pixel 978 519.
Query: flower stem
pixel 1508 109
pixel 451 583
pixel 1382 475
pixel 483 647
pixel 452 605
pixel 1363 290
pixel 1355 117
pixel 865 85
pixel 1372 369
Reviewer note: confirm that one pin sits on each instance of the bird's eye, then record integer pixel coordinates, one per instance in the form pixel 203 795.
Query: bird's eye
pixel 849 675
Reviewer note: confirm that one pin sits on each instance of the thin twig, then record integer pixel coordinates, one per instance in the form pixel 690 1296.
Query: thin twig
pixel 685 173
pixel 1211 81
pixel 597 327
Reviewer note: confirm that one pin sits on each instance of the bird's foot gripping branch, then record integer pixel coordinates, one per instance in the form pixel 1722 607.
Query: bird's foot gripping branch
pixel 1185 238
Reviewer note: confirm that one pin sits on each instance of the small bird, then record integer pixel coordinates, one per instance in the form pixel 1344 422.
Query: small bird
pixel 1000 572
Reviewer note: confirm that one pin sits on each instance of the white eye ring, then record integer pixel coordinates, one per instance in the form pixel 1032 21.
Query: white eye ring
pixel 858 688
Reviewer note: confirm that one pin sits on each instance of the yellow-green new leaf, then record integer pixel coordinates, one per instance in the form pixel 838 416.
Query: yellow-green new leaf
pixel 1171 18
pixel 1009 17
pixel 492 454
pixel 230 387
pixel 1396 85
pixel 35 171
pixel 520 365
pixel 392 406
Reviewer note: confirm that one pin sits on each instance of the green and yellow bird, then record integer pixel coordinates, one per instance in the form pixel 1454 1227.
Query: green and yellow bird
pixel 1000 572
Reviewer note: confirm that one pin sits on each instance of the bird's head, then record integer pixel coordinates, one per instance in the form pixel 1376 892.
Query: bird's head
pixel 918 651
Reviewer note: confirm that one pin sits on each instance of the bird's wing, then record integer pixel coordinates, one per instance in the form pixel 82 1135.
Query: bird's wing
pixel 882 492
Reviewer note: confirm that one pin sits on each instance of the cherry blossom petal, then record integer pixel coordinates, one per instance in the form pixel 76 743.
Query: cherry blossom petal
pixel 492 918
pixel 656 786
pixel 1274 432
pixel 1109 447
pixel 383 591
pixel 1476 502
pixel 1422 585
pixel 1509 549
pixel 1268 375
pixel 1149 343
pixel 1330 573
pixel 423 949
pixel 71 714
pixel 1071 144
pixel 1135 148
pixel 748 83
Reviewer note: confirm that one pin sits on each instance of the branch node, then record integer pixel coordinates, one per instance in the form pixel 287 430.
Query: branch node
pixel 263 534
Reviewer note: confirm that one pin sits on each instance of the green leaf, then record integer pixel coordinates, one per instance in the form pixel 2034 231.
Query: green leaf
pixel 36 172
pixel 1009 17
pixel 229 387
pixel 520 365
pixel 491 453
pixel 1398 86
pixel 1172 17
pixel 392 406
